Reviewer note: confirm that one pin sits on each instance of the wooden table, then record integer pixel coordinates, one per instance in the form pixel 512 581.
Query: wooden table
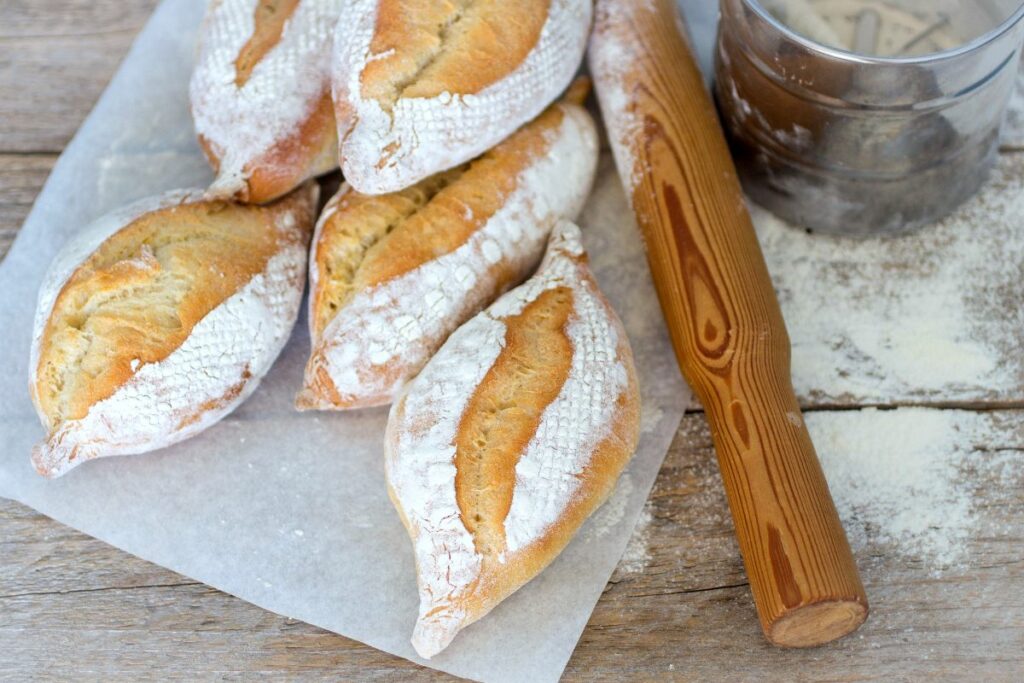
pixel 678 607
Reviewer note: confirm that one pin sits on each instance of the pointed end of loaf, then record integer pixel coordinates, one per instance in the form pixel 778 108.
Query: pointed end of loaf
pixel 565 242
pixel 229 185
pixel 309 399
pixel 56 455
pixel 318 391
pixel 433 633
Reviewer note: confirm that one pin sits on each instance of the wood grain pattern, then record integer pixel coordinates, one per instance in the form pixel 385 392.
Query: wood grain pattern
pixel 21 178
pixel 56 56
pixel 726 327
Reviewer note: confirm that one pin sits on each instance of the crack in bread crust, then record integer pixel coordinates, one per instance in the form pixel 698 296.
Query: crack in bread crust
pixel 372 239
pixel 232 393
pixel 458 46
pixel 505 411
pixel 269 19
pixel 475 238
pixel 354 230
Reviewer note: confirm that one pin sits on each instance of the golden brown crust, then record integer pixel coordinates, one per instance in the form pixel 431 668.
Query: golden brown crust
pixel 261 145
pixel 269 20
pixel 456 46
pixel 136 298
pixel 358 223
pixel 505 411
pixel 541 432
pixel 499 580
pixel 372 239
pixel 599 480
pixel 311 152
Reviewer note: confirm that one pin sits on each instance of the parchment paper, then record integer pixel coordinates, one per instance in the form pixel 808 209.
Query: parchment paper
pixel 287 510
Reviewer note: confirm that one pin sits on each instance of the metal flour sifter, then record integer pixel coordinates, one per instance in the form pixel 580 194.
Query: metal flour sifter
pixel 865 116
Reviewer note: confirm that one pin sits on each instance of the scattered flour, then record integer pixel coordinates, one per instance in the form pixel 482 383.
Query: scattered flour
pixel 650 418
pixel 933 315
pixel 638 555
pixel 609 515
pixel 907 477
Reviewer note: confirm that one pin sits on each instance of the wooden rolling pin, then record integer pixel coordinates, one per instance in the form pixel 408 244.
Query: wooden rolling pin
pixel 724 320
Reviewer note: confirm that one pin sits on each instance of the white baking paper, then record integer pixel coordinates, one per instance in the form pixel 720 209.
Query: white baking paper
pixel 287 510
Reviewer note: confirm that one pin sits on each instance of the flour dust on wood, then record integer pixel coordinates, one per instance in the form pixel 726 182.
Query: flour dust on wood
pixel 918 481
pixel 933 316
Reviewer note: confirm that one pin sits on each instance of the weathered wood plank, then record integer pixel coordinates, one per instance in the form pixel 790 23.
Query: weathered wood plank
pixel 21 178
pixel 43 19
pixel 182 633
pixel 55 59
pixel 676 609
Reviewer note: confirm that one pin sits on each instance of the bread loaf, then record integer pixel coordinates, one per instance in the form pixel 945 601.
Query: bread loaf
pixel 261 96
pixel 420 88
pixel 392 276
pixel 513 434
pixel 157 320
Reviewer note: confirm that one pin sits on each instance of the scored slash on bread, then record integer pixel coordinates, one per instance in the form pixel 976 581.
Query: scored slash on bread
pixel 261 95
pixel 391 276
pixel 510 437
pixel 420 88
pixel 159 319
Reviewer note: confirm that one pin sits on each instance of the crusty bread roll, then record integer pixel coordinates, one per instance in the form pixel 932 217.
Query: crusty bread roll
pixel 513 434
pixel 423 87
pixel 261 96
pixel 392 276
pixel 158 319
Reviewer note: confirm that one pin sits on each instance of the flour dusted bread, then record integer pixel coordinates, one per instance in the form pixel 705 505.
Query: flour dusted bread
pixel 513 434
pixel 391 276
pixel 261 97
pixel 158 319
pixel 421 87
